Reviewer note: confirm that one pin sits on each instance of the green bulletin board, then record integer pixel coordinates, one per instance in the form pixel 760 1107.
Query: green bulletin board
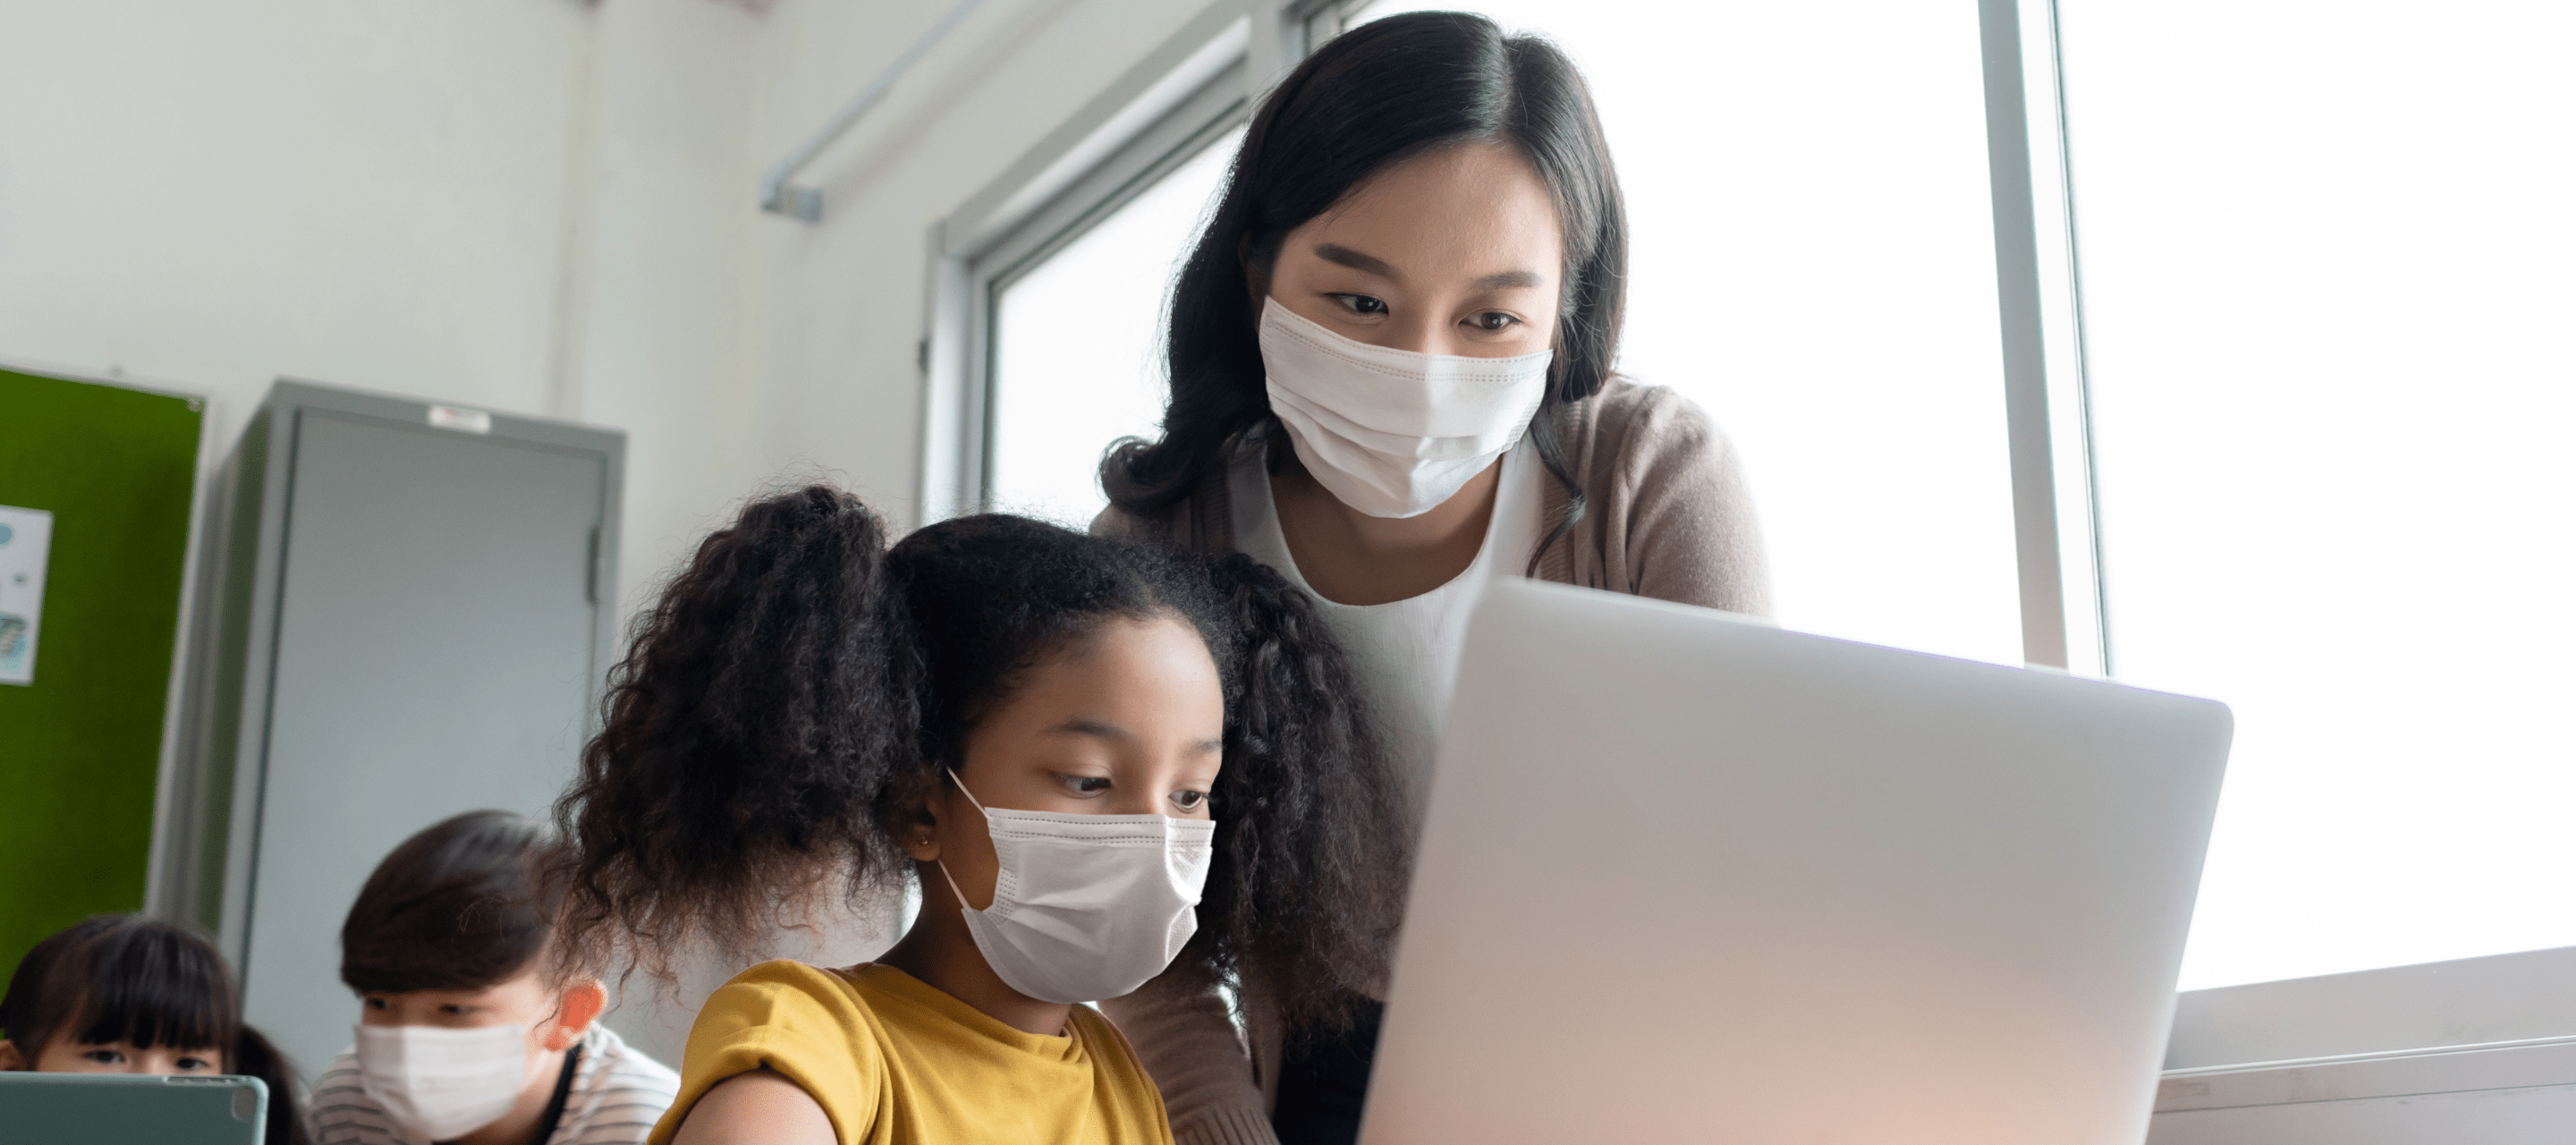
pixel 80 746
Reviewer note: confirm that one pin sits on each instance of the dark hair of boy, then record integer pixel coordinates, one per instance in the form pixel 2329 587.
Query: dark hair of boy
pixel 146 983
pixel 787 708
pixel 455 907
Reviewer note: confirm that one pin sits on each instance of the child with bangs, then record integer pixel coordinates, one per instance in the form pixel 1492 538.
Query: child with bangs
pixel 124 994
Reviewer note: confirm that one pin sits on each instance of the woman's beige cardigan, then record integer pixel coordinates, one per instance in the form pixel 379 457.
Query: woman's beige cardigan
pixel 1667 517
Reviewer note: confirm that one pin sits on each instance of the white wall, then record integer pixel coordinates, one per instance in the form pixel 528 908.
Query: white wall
pixel 660 290
pixel 539 206
pixel 514 204
pixel 216 194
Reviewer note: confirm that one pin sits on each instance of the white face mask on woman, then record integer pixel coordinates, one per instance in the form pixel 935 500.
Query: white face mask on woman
pixel 1087 907
pixel 1393 433
pixel 441 1084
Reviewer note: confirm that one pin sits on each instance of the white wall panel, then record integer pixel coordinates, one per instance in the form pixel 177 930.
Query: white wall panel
pixel 218 194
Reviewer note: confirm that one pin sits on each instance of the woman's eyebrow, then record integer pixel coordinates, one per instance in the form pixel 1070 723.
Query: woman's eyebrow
pixel 1369 264
pixel 1335 252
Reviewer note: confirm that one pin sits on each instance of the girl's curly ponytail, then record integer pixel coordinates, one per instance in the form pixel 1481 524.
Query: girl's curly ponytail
pixel 758 731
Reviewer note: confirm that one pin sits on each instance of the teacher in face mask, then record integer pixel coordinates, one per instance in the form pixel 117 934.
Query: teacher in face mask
pixel 1391 368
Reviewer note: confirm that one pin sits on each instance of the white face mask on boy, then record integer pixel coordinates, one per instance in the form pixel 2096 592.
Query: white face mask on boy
pixel 1087 907
pixel 1393 433
pixel 442 1084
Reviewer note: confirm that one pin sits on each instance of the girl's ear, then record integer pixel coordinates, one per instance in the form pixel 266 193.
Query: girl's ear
pixel 916 829
pixel 11 1061
pixel 919 837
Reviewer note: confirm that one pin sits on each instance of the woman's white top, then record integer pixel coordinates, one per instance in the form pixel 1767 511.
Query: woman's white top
pixel 1405 652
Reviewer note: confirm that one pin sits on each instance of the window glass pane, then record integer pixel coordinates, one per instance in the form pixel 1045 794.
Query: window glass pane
pixel 2325 257
pixel 1812 262
pixel 1078 349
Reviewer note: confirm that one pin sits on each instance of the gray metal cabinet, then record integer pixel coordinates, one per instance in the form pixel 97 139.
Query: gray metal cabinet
pixel 411 610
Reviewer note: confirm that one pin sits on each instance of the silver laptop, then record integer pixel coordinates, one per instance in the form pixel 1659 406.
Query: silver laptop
pixel 1686 877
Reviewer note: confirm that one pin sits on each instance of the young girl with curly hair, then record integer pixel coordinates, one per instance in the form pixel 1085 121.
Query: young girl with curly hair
pixel 1100 761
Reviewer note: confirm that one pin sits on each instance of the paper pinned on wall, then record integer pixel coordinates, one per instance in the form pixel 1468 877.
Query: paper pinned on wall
pixel 26 535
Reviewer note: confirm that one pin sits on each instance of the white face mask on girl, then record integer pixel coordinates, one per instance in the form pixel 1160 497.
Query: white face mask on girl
pixel 1087 907
pixel 441 1084
pixel 1393 433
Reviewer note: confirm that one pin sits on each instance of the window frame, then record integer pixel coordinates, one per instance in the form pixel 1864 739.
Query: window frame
pixel 1200 83
pixel 1205 79
pixel 1203 116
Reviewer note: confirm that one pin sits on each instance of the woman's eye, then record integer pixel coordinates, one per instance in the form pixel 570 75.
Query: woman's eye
pixel 453 1008
pixel 1083 784
pixel 1189 800
pixel 1492 320
pixel 1361 303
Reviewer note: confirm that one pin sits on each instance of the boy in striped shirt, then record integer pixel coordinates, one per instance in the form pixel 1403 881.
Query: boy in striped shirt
pixel 465 1033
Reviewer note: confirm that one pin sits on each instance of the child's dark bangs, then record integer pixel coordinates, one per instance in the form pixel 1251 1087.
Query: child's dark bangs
pixel 149 994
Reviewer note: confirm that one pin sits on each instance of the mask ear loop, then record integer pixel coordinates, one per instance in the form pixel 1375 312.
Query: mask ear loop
pixel 942 864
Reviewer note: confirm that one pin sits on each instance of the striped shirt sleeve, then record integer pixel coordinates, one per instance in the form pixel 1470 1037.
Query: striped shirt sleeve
pixel 618 1094
pixel 340 1112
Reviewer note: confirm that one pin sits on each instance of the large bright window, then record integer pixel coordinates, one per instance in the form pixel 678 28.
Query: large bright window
pixel 1811 260
pixel 2322 398
pixel 1078 344
pixel 2326 266
pixel 2325 269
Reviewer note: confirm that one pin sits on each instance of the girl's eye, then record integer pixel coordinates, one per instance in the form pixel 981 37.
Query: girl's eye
pixel 105 1057
pixel 192 1065
pixel 378 1004
pixel 1361 303
pixel 1189 800
pixel 1083 784
pixel 453 1008
pixel 1492 320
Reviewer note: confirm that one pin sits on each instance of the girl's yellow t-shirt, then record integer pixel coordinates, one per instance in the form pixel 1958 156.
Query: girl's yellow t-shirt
pixel 893 1061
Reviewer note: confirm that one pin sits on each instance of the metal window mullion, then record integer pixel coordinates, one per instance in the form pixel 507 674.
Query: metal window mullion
pixel 2070 364
pixel 2038 559
pixel 950 449
pixel 994 231
pixel 1117 180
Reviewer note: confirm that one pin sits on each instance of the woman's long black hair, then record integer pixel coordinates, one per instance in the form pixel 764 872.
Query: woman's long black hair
pixel 1375 96
pixel 787 708
pixel 126 978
